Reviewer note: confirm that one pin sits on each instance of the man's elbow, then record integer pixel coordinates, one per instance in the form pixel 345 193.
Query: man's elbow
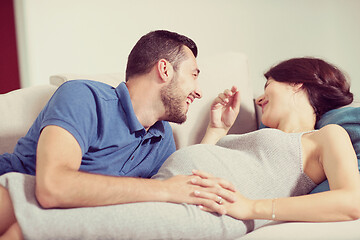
pixel 354 207
pixel 356 210
pixel 47 196
pixel 354 214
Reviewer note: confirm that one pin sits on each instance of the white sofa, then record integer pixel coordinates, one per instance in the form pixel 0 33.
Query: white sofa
pixel 19 109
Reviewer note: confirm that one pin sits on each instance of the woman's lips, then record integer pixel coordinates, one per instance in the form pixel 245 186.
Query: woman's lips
pixel 263 106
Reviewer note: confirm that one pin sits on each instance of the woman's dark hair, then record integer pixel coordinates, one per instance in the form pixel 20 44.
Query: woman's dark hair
pixel 156 45
pixel 326 86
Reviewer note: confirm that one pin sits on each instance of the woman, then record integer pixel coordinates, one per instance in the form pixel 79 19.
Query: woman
pixel 272 169
pixel 297 93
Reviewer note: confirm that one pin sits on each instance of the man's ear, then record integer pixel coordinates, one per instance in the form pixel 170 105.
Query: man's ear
pixel 165 70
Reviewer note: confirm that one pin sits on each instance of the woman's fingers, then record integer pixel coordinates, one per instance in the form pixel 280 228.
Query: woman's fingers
pixel 202 174
pixel 210 203
pixel 216 194
pixel 205 208
pixel 225 97
pixel 212 180
pixel 214 188
pixel 217 199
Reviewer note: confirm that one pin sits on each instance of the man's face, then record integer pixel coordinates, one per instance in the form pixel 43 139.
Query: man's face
pixel 182 89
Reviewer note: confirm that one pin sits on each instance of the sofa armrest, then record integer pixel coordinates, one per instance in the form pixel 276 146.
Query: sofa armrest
pixel 19 109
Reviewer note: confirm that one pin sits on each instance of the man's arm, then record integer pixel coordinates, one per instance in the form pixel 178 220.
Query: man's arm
pixel 59 183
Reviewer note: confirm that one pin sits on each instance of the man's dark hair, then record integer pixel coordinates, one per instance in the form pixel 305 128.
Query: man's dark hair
pixel 157 45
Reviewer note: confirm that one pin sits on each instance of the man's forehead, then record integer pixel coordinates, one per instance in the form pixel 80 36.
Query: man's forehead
pixel 191 60
pixel 192 65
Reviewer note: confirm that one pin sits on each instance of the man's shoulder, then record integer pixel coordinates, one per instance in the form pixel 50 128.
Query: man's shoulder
pixel 85 84
pixel 87 88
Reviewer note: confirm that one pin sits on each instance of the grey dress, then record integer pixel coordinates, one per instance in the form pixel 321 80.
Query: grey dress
pixel 263 164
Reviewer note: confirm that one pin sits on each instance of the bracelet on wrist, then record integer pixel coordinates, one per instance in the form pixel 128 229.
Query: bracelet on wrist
pixel 273 216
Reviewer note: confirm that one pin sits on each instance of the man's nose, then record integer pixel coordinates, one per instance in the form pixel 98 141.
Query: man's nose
pixel 198 93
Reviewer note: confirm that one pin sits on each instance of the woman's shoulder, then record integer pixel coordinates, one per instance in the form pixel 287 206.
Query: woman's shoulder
pixel 331 133
pixel 332 129
pixel 327 142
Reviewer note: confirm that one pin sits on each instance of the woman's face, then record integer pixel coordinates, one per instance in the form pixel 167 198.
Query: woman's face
pixel 276 102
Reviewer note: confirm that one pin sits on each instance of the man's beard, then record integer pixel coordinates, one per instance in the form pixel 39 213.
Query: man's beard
pixel 173 102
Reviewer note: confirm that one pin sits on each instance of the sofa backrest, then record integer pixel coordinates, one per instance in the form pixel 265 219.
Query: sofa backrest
pixel 217 73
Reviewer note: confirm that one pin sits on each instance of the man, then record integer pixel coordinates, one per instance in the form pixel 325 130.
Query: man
pixel 93 145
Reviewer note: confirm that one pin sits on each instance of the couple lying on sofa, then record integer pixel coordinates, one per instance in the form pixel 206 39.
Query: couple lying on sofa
pixel 268 172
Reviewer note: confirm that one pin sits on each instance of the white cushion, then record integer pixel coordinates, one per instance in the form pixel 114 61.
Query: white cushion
pixel 347 230
pixel 19 109
pixel 113 79
pixel 217 73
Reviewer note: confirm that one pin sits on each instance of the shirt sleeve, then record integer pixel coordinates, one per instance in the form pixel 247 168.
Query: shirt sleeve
pixel 73 107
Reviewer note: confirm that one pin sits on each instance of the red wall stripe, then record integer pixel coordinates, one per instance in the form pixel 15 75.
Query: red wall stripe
pixel 9 67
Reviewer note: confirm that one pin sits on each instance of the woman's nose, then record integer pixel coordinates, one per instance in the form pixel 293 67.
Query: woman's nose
pixel 259 101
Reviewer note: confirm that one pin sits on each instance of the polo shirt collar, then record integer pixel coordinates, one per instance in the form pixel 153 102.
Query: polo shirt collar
pixel 157 130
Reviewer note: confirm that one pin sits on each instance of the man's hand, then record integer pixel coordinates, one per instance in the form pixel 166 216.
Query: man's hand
pixel 205 192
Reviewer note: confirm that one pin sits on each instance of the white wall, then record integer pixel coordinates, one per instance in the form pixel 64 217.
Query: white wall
pixel 96 36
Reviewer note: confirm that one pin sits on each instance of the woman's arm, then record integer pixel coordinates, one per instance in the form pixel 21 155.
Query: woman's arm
pixel 341 203
pixel 223 113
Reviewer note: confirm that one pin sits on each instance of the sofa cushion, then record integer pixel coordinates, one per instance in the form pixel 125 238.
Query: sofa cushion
pixel 349 119
pixel 113 79
pixel 19 109
pixel 218 72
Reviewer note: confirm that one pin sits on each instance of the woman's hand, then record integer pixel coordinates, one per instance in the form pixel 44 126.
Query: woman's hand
pixel 206 192
pixel 223 113
pixel 239 207
pixel 218 190
pixel 225 109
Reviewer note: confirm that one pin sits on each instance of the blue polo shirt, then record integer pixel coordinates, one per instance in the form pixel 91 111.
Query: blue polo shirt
pixel 102 120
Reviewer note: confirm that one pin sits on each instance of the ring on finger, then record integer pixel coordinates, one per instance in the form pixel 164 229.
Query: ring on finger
pixel 219 200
